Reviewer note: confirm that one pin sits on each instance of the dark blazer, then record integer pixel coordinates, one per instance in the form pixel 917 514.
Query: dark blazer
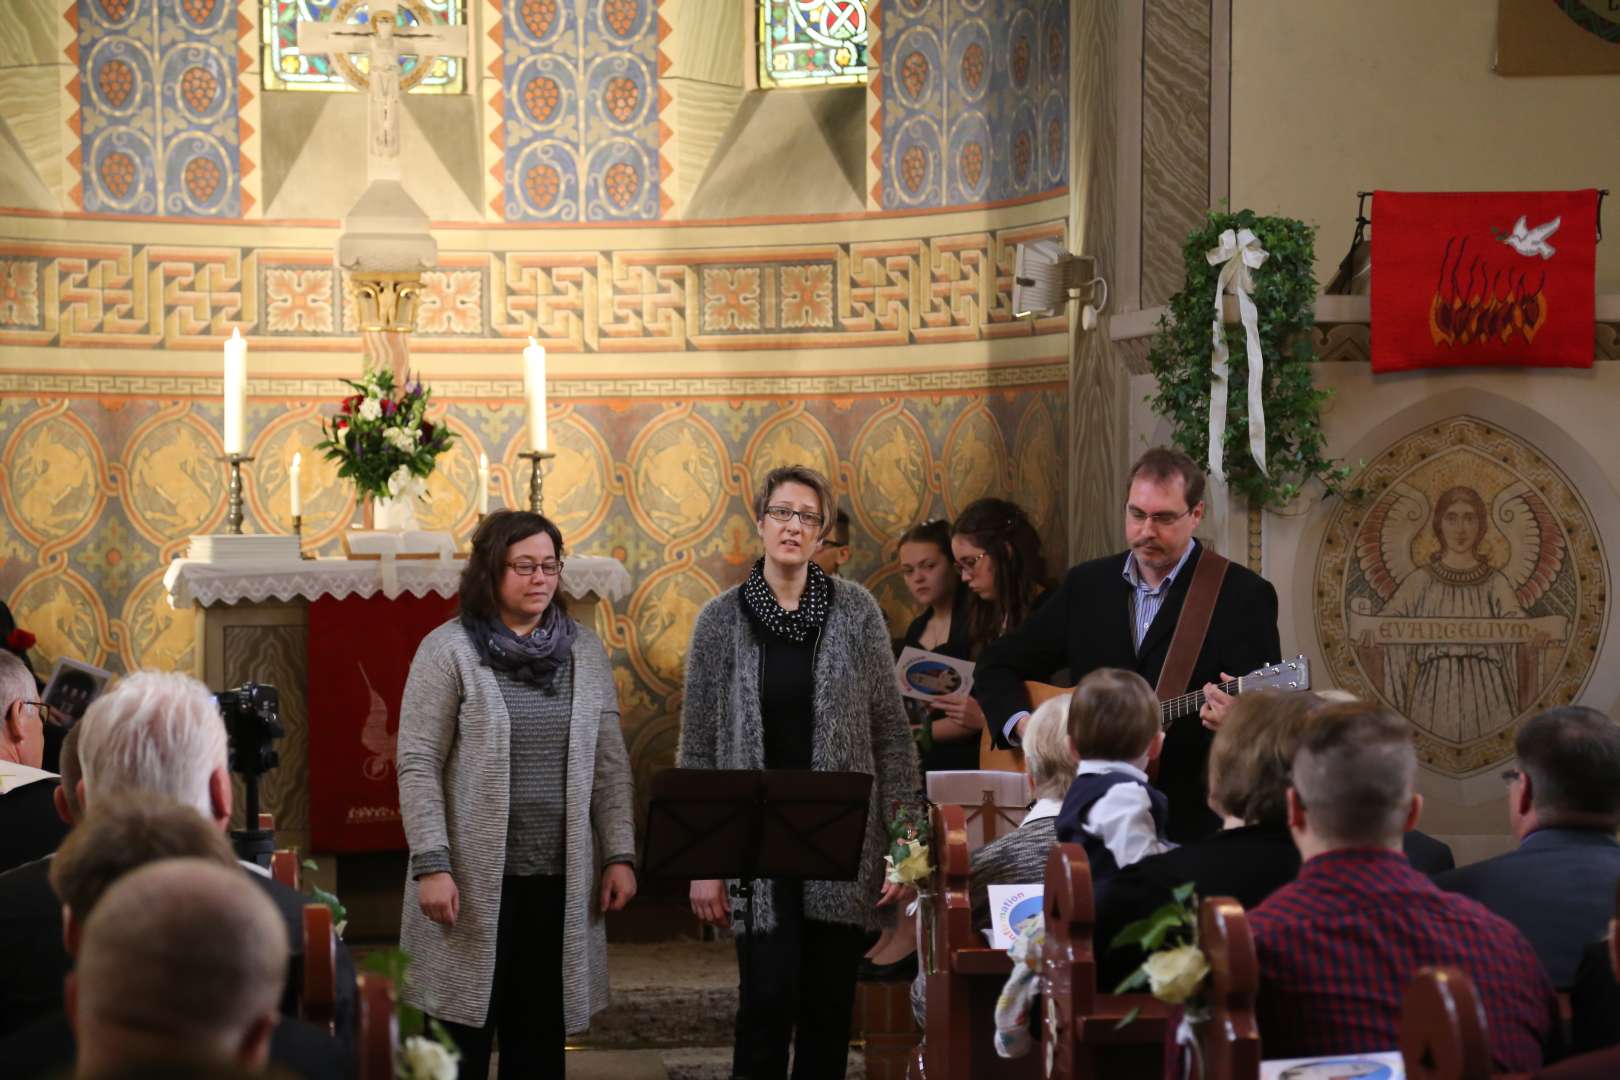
pixel 1557 887
pixel 29 825
pixel 1087 625
pixel 1601 1065
pixel 290 903
pixel 1428 855
pixel 1594 1002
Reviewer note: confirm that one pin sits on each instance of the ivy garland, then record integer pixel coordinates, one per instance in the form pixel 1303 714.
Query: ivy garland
pixel 1285 294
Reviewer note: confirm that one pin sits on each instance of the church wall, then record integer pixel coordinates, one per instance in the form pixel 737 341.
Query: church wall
pixel 1337 96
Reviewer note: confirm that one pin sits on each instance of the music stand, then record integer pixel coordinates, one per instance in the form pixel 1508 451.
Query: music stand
pixel 796 824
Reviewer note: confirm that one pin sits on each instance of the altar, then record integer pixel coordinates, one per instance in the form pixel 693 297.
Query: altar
pixel 339 674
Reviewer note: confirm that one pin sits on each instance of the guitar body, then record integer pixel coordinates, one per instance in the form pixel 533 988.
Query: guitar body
pixel 996 760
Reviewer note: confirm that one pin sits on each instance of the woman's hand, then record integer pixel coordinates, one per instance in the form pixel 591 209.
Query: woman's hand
pixel 962 710
pixel 618 886
pixel 895 894
pixel 709 903
pixel 439 898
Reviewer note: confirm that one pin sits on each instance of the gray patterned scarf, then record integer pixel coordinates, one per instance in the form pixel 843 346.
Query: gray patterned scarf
pixel 533 658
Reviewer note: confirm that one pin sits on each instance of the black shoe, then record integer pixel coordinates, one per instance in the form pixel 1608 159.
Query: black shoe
pixel 902 970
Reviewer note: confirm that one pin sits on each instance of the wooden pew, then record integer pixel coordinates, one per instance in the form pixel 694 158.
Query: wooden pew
pixel 317 998
pixel 284 867
pixel 962 992
pixel 1081 1037
pixel 1230 1038
pixel 1443 1034
pixel 378 1028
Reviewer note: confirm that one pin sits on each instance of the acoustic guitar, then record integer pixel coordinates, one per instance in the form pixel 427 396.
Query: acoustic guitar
pixel 1289 675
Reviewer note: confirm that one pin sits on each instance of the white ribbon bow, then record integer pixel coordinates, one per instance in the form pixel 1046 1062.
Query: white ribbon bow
pixel 1238 253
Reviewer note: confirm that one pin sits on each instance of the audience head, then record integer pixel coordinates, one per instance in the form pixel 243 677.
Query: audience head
pixel 157 732
pixel 125 831
pixel 802 496
pixel 1048 757
pixel 182 960
pixel 494 584
pixel 998 554
pixel 926 563
pixel 1113 716
pixel 66 798
pixel 1163 507
pixel 22 720
pixel 832 550
pixel 1569 771
pixel 1252 757
pixel 1354 780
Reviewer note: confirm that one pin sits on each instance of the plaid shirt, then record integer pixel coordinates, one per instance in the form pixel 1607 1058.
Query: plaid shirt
pixel 1338 945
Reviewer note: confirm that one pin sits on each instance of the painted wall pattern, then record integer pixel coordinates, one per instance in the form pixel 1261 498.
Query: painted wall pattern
pixel 1469 591
pixel 974 100
pixel 158 97
pixel 580 133
pixel 955 287
pixel 660 483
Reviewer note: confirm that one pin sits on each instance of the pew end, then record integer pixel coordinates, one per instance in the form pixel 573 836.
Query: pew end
pixel 1443 1032
pixel 317 1000
pixel 378 1028
pixel 1230 1038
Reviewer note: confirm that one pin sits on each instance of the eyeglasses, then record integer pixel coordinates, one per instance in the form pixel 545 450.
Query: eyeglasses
pixel 831 542
pixel 1163 519
pixel 528 567
pixel 966 563
pixel 785 514
pixel 45 712
pixel 1510 775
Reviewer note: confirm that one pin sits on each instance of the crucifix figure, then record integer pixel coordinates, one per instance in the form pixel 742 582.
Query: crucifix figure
pixel 385 41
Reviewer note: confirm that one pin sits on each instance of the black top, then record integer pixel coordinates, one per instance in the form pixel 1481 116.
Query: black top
pixel 787 692
pixel 946 754
pixel 1087 626
pixel 30 828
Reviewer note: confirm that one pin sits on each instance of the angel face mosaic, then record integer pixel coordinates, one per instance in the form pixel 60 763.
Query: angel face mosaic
pixel 1468 591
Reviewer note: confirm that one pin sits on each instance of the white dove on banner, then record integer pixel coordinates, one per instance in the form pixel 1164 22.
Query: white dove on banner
pixel 1532 241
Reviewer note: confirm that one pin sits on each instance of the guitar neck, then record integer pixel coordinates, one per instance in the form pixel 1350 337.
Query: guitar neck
pixel 1189 704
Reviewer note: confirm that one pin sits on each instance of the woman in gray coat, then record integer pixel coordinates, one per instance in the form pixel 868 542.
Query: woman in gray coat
pixel 509 727
pixel 793 670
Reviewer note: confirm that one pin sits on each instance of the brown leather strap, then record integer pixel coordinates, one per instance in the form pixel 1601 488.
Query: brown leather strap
pixel 1193 625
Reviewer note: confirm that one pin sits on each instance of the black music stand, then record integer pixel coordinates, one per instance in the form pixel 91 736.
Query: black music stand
pixel 795 824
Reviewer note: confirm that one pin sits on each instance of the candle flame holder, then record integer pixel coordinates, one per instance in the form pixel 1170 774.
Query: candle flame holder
pixel 233 506
pixel 537 478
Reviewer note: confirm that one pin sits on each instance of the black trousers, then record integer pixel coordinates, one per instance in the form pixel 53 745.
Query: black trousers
pixel 526 1000
pixel 798 988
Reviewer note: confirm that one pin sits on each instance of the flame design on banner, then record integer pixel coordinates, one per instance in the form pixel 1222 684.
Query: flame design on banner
pixel 1484 304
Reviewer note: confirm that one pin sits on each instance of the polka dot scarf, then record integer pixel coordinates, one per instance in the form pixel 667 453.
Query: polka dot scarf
pixel 796 626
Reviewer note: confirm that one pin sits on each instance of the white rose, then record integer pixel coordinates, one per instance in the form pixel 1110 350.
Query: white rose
pixel 370 409
pixel 425 1059
pixel 401 439
pixel 1175 975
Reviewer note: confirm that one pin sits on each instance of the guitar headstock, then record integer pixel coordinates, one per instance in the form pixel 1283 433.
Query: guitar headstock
pixel 1292 674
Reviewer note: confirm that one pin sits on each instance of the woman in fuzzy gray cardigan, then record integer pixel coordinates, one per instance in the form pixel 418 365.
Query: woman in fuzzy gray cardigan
pixel 509 729
pixel 792 670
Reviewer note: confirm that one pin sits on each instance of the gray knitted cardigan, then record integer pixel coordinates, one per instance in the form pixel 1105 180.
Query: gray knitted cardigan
pixel 454 780
pixel 860 726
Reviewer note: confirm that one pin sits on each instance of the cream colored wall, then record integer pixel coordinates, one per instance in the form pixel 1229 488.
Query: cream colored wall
pixel 1334 96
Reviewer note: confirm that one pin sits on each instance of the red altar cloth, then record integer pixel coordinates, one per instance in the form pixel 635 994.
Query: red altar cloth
pixel 360 650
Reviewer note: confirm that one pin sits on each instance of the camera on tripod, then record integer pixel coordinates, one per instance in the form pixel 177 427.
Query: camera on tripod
pixel 252 723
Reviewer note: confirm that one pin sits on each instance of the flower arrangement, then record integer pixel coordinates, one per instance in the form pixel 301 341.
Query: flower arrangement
pixel 907 861
pixel 20 640
pixel 381 437
pixel 426 1050
pixel 1175 969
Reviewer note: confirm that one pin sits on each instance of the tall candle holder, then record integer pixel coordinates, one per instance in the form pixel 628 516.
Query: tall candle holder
pixel 537 478
pixel 233 507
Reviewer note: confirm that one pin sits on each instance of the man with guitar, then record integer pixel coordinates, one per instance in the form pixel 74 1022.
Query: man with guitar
pixel 1175 613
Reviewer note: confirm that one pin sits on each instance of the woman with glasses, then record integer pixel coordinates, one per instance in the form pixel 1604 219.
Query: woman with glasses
pixel 998 554
pixel 793 670
pixel 509 728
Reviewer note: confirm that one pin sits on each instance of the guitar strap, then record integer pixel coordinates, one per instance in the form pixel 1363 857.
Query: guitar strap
pixel 1193 625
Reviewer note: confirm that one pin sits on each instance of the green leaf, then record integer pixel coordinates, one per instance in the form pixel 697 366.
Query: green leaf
pixel 1134 981
pixel 1128 1017
pixel 1184 891
pixel 309 864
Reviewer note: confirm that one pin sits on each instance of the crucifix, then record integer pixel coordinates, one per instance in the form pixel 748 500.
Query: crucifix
pixel 385 40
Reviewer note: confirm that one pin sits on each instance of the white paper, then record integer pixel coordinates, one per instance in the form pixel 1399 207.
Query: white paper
pixel 1385 1066
pixel 1009 906
pixel 928 675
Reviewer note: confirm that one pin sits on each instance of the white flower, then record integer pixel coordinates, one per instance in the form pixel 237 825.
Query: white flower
pixel 425 1059
pixel 911 869
pixel 1174 975
pixel 401 439
pixel 370 409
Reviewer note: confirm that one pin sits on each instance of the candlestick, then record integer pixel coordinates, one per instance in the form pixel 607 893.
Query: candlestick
pixel 296 496
pixel 235 391
pixel 298 525
pixel 534 390
pixel 483 484
pixel 233 505
pixel 536 479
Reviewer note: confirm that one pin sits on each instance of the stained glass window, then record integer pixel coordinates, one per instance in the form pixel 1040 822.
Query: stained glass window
pixel 286 68
pixel 812 42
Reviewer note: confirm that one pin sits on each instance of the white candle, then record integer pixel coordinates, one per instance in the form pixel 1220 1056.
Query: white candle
pixel 292 485
pixel 483 484
pixel 235 391
pixel 534 389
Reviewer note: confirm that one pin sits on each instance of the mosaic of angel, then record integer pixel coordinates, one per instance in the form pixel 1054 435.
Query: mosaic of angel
pixel 1458 671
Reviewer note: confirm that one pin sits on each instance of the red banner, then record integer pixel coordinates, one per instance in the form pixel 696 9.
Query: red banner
pixel 360 651
pixel 1483 279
